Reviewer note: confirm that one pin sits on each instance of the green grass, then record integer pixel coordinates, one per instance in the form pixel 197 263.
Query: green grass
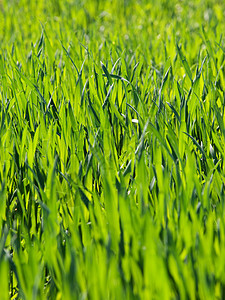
pixel 112 134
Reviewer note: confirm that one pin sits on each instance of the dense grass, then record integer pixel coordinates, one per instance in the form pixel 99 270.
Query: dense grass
pixel 112 133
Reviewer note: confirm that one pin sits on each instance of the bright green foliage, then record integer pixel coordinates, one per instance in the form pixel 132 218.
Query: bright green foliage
pixel 112 134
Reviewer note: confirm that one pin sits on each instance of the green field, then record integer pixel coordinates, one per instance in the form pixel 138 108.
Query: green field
pixel 112 135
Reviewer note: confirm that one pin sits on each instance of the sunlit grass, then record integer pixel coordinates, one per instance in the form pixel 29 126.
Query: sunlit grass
pixel 112 137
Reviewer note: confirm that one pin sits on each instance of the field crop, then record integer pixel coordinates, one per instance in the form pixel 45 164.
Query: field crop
pixel 112 134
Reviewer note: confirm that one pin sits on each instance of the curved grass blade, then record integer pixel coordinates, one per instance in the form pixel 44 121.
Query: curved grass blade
pixel 106 73
pixel 184 62
pixel 196 144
